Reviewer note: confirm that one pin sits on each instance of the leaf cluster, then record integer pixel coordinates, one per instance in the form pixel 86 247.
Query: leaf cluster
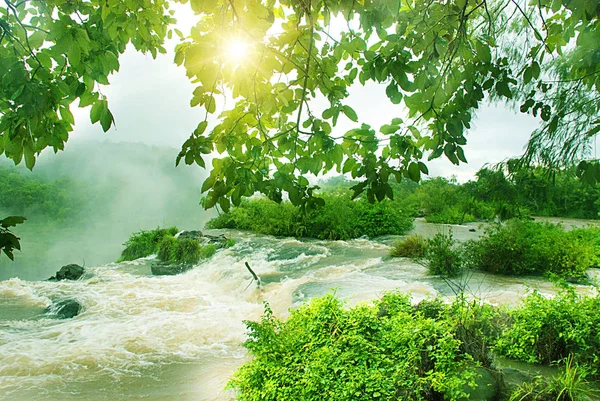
pixel 54 53
pixel 9 241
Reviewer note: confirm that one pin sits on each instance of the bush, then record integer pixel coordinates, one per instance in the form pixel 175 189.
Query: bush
pixel 528 247
pixel 412 246
pixel 326 352
pixel 442 256
pixel 340 218
pixel 549 330
pixel 167 249
pixel 207 251
pixel 145 243
pixel 184 251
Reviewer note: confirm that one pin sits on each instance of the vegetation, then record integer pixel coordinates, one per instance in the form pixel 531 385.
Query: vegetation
pixel 441 61
pixel 58 200
pixel 553 330
pixel 443 256
pixel 570 385
pixel 9 241
pixel 145 243
pixel 412 246
pixel 339 217
pixel 392 349
pixel 522 247
pixel 183 251
pixel 326 352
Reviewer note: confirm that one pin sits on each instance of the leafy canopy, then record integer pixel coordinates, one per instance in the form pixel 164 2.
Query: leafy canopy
pixel 439 61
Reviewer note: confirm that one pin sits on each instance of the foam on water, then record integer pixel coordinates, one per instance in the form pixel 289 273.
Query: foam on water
pixel 178 337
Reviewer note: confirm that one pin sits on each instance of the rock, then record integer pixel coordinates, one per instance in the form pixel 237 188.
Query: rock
pixel 218 241
pixel 65 309
pixel 167 269
pixel 472 230
pixel 193 234
pixel 68 272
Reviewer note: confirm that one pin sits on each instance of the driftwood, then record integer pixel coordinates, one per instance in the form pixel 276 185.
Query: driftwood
pixel 258 282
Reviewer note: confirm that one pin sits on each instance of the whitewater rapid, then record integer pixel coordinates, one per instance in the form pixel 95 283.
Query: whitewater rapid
pixel 179 337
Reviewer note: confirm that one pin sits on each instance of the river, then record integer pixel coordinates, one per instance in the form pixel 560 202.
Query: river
pixel 142 337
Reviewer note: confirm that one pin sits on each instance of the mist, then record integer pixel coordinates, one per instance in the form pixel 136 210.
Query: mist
pixel 129 187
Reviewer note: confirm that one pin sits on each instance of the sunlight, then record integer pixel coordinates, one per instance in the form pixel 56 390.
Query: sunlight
pixel 236 50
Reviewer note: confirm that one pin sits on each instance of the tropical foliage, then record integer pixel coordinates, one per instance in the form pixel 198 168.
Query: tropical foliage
pixel 412 246
pixel 391 349
pixel 146 242
pixel 522 247
pixel 339 217
pixel 381 351
pixel 546 330
pixel 440 60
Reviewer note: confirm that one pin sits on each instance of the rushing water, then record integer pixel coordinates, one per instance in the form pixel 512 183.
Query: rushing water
pixel 141 337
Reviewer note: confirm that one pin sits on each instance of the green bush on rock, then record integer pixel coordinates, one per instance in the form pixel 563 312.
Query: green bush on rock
pixel 145 243
pixel 184 251
pixel 326 352
pixel 522 247
pixel 412 246
pixel 546 330
pixel 443 256
pixel 340 218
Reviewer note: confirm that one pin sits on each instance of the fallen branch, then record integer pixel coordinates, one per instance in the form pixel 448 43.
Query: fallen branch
pixel 253 274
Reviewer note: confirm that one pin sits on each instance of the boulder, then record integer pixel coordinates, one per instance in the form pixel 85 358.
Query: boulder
pixel 168 269
pixel 65 308
pixel 218 241
pixel 68 272
pixel 192 234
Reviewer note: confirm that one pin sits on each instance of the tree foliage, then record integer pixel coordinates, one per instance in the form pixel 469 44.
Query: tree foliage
pixel 9 241
pixel 438 60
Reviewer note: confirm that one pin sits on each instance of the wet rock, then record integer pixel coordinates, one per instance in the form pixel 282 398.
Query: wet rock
pixel 218 241
pixel 169 269
pixel 192 234
pixel 68 272
pixel 65 308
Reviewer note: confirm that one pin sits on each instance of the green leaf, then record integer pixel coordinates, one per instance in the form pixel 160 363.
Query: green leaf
pixel 96 111
pixel 106 118
pixel 12 221
pixel 414 172
pixel 350 113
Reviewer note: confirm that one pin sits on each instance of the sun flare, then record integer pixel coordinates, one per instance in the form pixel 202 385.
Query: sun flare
pixel 236 50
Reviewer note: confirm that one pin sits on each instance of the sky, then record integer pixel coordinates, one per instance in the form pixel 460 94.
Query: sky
pixel 149 99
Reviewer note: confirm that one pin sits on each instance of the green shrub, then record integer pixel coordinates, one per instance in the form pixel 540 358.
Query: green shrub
pixel 442 256
pixel 326 352
pixel 184 251
pixel 188 251
pixel 412 246
pixel 548 330
pixel 589 236
pixel 207 251
pixel 230 242
pixel 167 249
pixel 340 218
pixel 527 247
pixel 145 243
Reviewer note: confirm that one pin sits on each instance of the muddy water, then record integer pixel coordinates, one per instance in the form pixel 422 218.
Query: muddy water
pixel 178 338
